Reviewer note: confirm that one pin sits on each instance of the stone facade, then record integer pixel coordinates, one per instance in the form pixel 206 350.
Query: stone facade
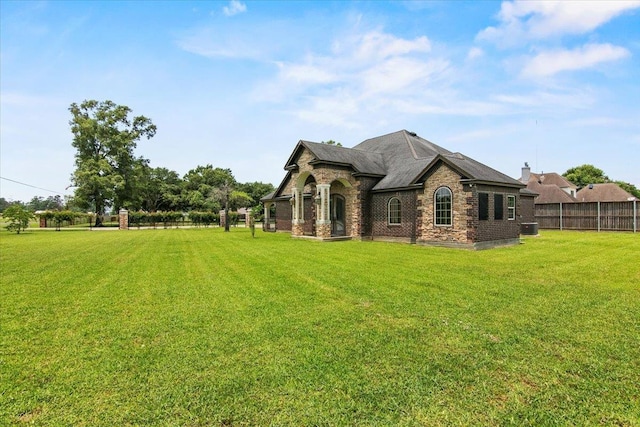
pixel 325 196
pixel 311 210
pixel 444 176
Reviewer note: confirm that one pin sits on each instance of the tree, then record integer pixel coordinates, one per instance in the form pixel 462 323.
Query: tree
pixel 159 189
pixel 332 142
pixel 256 190
pixel 105 136
pixel 17 217
pixel 584 175
pixel 198 184
pixel 42 204
pixel 4 204
pixel 629 188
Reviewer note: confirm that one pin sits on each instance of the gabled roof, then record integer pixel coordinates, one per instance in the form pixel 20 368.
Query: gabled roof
pixel 409 158
pixel 608 192
pixel 360 161
pixel 401 159
pixel 549 193
pixel 552 178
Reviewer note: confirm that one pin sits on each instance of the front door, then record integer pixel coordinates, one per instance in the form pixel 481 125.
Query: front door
pixel 338 227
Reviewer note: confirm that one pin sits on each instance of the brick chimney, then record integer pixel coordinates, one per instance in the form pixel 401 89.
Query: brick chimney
pixel 526 173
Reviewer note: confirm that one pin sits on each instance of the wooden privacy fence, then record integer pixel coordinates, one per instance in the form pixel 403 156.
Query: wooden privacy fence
pixel 606 216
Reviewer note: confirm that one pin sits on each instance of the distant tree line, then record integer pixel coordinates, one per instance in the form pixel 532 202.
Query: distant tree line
pixel 108 176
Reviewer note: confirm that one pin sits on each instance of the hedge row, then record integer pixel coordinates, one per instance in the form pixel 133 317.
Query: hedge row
pixel 168 219
pixel 59 217
pixel 138 219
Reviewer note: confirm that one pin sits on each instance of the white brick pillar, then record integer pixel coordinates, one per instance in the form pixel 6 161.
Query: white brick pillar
pixel 298 206
pixel 324 216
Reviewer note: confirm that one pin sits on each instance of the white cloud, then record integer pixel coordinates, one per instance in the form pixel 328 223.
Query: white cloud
pixel 552 62
pixel 522 20
pixel 214 44
pixel 378 46
pixel 306 73
pixel 475 52
pixel 363 71
pixel 234 7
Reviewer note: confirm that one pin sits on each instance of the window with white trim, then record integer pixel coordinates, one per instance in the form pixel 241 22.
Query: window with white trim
pixel 511 207
pixel 394 211
pixel 442 206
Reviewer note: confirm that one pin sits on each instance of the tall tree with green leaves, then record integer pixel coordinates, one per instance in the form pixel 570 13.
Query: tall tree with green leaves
pixel 105 136
pixel 160 189
pixel 198 184
pixel 584 175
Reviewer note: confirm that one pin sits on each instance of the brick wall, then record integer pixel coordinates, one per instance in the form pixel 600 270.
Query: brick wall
pixel 283 215
pixel 365 200
pixel 380 226
pixel 492 229
pixel 525 211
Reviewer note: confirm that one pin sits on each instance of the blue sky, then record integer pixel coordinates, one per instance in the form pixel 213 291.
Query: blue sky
pixel 236 84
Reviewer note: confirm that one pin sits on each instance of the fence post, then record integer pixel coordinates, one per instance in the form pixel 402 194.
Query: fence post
pixel 635 216
pixel 598 215
pixel 560 216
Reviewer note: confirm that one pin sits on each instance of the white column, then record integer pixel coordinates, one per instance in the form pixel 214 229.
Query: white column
pixel 298 206
pixel 324 216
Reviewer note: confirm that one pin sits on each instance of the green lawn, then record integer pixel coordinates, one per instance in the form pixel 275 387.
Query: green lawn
pixel 197 327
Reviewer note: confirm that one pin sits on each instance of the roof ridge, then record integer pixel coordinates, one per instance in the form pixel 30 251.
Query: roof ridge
pixel 411 147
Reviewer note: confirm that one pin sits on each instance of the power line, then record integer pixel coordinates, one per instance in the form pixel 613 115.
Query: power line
pixel 32 186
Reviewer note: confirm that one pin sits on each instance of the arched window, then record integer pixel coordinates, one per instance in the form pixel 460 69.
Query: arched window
pixel 442 206
pixel 393 211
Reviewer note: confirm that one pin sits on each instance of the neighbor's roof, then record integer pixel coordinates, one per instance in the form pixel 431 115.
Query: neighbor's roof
pixel 551 178
pixel 608 192
pixel 549 193
pixel 401 159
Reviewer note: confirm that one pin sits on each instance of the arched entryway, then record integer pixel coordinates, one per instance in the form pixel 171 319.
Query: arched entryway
pixel 338 215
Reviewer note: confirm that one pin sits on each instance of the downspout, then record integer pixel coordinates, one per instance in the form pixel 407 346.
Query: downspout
pixel 598 215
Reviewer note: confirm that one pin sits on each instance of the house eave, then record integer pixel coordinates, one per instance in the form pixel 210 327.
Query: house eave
pixel 367 175
pixel 316 162
pixel 495 183
pixel 403 188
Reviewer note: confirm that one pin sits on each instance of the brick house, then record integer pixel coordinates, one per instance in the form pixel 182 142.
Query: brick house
pixel 396 187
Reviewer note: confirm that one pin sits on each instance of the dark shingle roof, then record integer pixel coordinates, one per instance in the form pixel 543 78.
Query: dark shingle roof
pixel 401 159
pixel 361 161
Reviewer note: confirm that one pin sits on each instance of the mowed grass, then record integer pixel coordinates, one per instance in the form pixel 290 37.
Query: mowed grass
pixel 196 327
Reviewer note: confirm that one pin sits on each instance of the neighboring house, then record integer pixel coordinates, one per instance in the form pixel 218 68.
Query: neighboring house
pixel 550 187
pixel 608 192
pixel 397 187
